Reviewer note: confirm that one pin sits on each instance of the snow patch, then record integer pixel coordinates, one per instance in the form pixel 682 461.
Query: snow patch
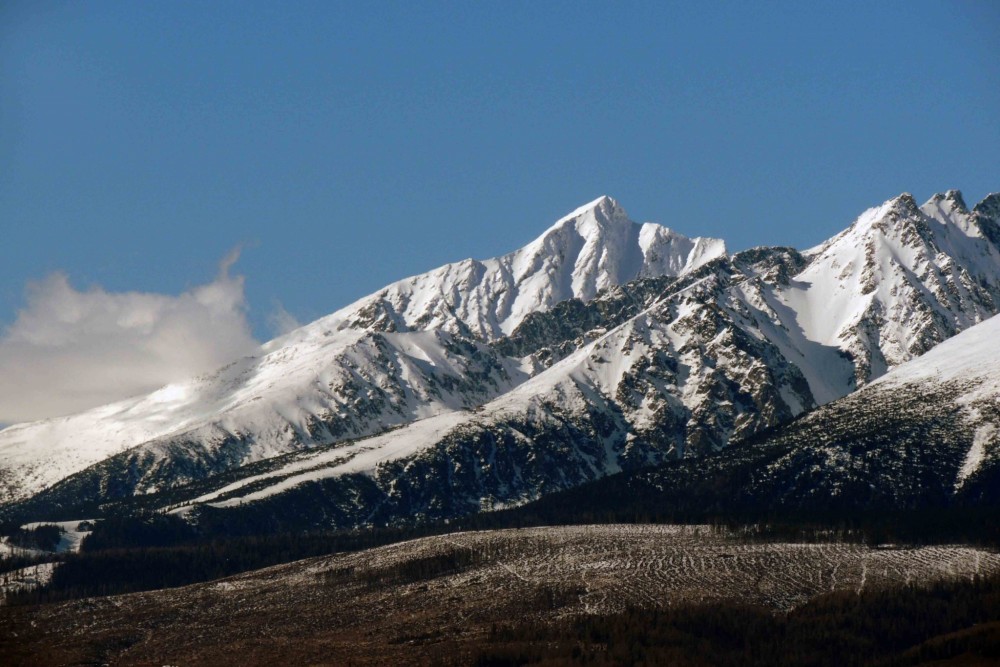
pixel 976 454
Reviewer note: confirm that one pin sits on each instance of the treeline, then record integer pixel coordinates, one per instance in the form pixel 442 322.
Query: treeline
pixel 905 625
pixel 617 499
pixel 155 551
pixel 417 569
pixel 44 538
pixel 652 497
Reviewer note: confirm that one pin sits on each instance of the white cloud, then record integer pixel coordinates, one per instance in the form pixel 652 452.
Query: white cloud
pixel 69 350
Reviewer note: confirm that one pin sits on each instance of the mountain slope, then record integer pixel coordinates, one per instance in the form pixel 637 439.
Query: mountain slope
pixel 304 393
pixel 925 436
pixel 707 361
pixel 682 376
pixel 900 280
pixel 413 350
pixel 655 369
pixel 591 249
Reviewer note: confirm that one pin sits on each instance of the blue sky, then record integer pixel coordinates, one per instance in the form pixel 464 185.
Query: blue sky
pixel 346 145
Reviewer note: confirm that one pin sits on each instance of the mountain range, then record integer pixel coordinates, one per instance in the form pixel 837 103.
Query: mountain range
pixel 603 346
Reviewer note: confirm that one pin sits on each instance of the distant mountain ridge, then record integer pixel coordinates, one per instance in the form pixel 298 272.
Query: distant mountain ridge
pixel 412 350
pixel 602 346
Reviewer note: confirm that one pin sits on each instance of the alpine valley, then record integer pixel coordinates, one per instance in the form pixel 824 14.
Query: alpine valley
pixel 603 346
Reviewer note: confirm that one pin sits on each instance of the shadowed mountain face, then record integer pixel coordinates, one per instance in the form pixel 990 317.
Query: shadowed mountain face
pixel 603 346
pixel 924 439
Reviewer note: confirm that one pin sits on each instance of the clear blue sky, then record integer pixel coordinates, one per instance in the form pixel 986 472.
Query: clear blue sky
pixel 348 145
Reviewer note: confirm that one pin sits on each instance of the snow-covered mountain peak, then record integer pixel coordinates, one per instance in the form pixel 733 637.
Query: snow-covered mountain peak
pixel 900 280
pixel 900 223
pixel 603 208
pixel 602 222
pixel 894 213
pixel 949 201
pixel 949 209
pixel 887 215
pixel 595 247
pixel 878 217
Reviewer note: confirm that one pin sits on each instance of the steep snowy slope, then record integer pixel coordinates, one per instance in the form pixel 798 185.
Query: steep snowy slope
pixel 411 351
pixel 307 391
pixel 969 363
pixel 900 280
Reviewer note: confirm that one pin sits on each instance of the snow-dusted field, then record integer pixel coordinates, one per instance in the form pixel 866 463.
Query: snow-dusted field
pixel 651 565
pixel 409 602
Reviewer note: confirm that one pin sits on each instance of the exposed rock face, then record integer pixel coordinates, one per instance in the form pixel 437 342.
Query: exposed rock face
pixel 927 435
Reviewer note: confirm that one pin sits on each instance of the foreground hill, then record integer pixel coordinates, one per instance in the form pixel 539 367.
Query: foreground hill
pixel 443 598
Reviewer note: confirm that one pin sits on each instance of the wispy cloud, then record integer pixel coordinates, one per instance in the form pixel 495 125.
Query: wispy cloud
pixel 69 349
pixel 281 321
